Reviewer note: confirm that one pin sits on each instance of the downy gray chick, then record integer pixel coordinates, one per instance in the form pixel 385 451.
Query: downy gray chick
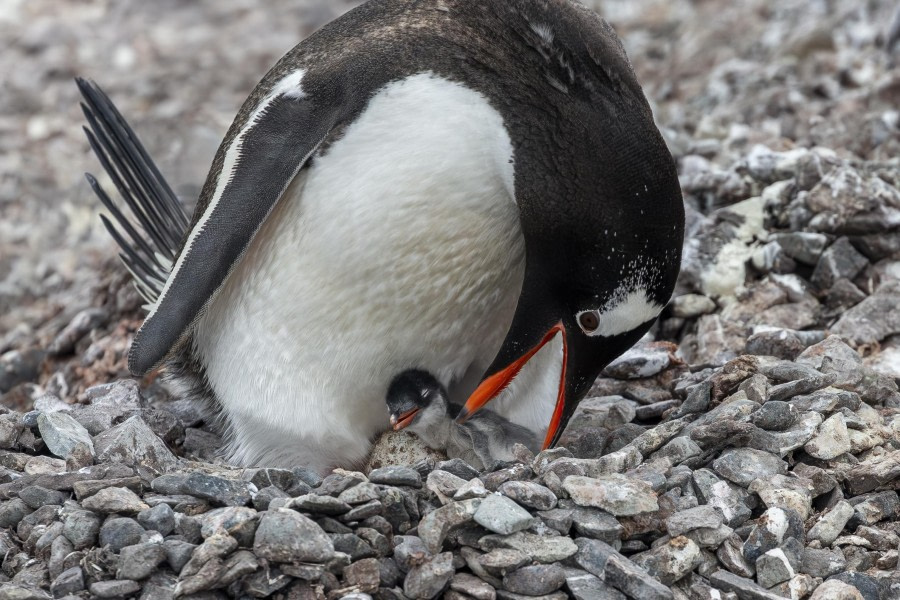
pixel 418 402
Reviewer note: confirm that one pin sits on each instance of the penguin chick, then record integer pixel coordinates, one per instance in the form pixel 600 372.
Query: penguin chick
pixel 418 402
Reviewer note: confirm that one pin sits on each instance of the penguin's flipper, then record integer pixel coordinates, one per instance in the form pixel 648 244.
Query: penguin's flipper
pixel 148 256
pixel 270 141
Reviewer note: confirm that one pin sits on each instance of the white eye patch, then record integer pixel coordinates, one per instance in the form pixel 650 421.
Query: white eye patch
pixel 621 315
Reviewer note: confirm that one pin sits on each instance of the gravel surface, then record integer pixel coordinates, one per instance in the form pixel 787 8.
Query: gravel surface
pixel 748 449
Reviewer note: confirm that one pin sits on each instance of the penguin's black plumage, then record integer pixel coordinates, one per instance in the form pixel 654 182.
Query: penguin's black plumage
pixel 476 188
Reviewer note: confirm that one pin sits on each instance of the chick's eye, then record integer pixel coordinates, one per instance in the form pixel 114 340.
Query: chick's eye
pixel 589 322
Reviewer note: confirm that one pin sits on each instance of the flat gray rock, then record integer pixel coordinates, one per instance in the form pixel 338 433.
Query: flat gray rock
pixel 286 536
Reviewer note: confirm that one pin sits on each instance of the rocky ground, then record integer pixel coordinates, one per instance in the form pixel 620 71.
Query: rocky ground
pixel 750 449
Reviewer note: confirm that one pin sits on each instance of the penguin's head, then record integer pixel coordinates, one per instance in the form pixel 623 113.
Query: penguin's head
pixel 409 394
pixel 602 219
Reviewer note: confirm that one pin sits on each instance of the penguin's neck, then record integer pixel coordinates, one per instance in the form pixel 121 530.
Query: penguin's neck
pixel 434 424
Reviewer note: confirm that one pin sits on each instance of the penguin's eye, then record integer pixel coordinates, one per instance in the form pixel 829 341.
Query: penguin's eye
pixel 589 321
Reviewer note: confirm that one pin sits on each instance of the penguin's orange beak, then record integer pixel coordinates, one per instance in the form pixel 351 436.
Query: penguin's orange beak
pixel 496 383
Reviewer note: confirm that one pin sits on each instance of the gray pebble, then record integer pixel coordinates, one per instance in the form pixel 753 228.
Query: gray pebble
pixel 218 490
pixel 70 581
pixel 264 497
pixel 775 415
pixel 535 580
pixel 13 511
pixel 119 532
pixel 396 475
pixel 81 527
pixel 501 515
pixel 529 494
pixel 743 465
pixel 431 578
pixel 140 561
pixel 287 536
pixel 178 553
pixel 64 436
pixel 160 518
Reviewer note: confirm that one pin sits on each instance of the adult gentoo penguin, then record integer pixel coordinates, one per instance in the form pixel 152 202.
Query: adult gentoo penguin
pixel 474 189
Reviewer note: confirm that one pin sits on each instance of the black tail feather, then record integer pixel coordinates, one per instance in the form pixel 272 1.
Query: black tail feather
pixel 152 203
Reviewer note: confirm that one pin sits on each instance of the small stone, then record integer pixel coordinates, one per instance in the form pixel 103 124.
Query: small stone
pixel 617 494
pixel 830 526
pixel 115 500
pixel 12 512
pixel 140 561
pixel 597 524
pixel 396 475
pixel 694 518
pixel 822 563
pixel 772 568
pixel 731 554
pixel 134 443
pixel 472 489
pixel 775 415
pixel 671 561
pixel 585 586
pixel 81 324
pixel 458 467
pixel 365 574
pixel 45 465
pixel 197 442
pixel 542 549
pixel 743 465
pixel 806 385
pixel 323 505
pixel 641 361
pixel 160 518
pixel 501 561
pixel 501 515
pixel 443 484
pixel 535 580
pixel 114 589
pixel 410 552
pixel 239 522
pixel 360 494
pixel 429 579
pixel 436 525
pixel 287 536
pixel 81 527
pixel 775 526
pixel 216 489
pixel 70 581
pixel 831 440
pixel 36 496
pixel 118 533
pixel 873 508
pixel 212 549
pixel 689 306
pixel 836 590
pixel 530 494
pixel 178 553
pixel 744 588
pixel 802 246
pixel 264 497
pixel 784 491
pixel 679 450
pixel 472 587
pixel 840 261
pixel 64 436
pixel 603 561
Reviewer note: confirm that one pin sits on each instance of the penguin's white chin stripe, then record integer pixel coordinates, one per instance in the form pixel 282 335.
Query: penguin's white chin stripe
pixel 624 313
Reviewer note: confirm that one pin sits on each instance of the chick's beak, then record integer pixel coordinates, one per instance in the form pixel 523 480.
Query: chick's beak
pixel 497 382
pixel 402 421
